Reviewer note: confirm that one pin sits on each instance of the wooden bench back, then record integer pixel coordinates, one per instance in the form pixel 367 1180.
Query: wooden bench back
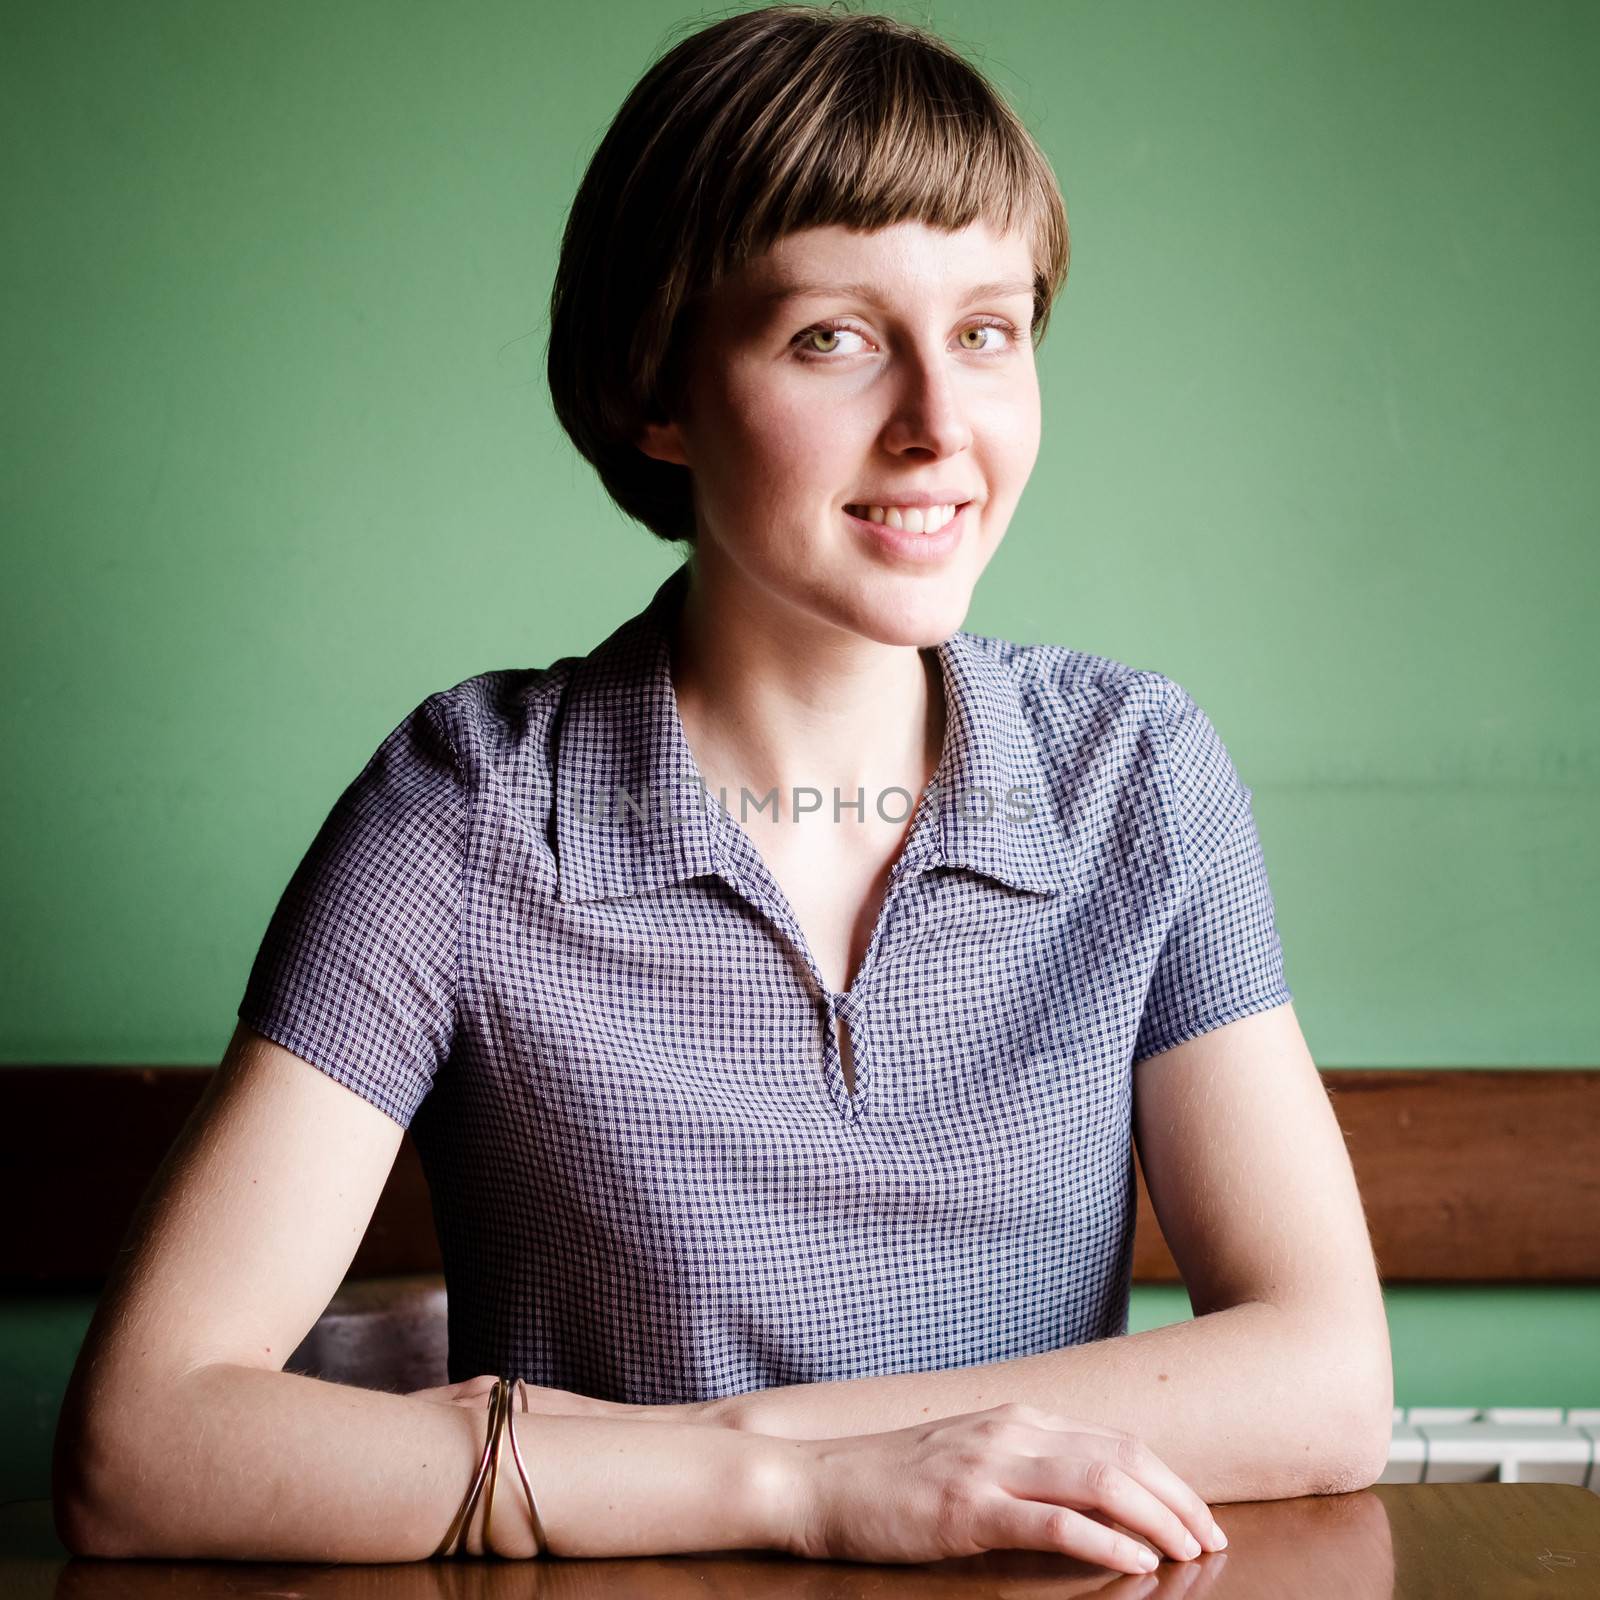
pixel 1466 1175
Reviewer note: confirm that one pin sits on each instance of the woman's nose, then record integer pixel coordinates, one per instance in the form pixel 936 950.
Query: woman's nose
pixel 928 413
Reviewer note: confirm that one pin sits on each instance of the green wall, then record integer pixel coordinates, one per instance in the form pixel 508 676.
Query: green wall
pixel 1319 403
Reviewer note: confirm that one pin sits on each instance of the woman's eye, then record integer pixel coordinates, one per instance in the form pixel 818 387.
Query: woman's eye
pixel 824 331
pixel 990 327
pixel 813 343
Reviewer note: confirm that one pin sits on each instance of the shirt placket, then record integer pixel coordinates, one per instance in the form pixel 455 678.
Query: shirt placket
pixel 747 873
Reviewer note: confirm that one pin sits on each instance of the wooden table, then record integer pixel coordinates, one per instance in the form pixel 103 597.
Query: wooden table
pixel 1446 1540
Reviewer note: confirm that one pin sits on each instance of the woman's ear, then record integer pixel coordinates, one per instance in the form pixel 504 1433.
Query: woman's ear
pixel 664 441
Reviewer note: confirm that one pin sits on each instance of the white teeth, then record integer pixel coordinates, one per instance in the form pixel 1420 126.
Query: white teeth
pixel 909 519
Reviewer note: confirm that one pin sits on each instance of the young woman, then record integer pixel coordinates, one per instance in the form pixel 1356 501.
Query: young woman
pixel 774 994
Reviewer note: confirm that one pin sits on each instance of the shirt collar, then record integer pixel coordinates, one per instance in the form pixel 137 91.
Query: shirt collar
pixel 632 813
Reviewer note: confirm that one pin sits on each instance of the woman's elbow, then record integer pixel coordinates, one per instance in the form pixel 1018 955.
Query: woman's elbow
pixel 1363 1470
pixel 1357 1456
pixel 1360 1404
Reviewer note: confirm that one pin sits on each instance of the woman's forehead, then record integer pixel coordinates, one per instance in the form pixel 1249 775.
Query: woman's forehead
pixel 833 260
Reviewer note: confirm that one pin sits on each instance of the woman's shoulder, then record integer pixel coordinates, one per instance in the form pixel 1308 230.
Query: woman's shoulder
pixel 502 717
pixel 1060 682
pixel 1123 722
pixel 1128 726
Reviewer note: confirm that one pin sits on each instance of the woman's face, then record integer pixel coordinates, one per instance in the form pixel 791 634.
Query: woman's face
pixel 843 371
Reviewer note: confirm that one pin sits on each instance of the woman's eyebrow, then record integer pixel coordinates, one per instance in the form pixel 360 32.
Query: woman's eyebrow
pixel 781 291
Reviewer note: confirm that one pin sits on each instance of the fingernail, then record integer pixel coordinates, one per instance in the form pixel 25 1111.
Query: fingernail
pixel 1219 1540
pixel 1191 1545
pixel 1149 1560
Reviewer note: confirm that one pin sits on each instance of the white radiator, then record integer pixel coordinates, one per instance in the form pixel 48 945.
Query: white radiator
pixel 1496 1444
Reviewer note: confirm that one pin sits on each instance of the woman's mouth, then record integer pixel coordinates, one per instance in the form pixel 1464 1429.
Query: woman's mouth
pixel 909 519
pixel 911 533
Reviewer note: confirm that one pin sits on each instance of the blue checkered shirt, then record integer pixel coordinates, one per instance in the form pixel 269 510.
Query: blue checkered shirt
pixel 618 1060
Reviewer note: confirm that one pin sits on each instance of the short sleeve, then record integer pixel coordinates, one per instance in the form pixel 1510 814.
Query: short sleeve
pixel 357 970
pixel 1221 958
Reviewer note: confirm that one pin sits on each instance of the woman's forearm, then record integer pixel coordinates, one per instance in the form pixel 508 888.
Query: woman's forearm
pixel 1246 1403
pixel 244 1463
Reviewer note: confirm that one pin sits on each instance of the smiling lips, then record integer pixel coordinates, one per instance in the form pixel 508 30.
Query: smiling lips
pixel 908 519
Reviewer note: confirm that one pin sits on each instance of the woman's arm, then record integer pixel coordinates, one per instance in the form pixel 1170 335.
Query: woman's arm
pixel 180 1435
pixel 239 1463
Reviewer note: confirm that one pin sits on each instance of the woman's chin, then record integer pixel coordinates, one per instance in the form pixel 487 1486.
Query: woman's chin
pixel 916 612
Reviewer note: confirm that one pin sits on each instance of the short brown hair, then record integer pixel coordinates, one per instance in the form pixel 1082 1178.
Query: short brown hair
pixel 764 123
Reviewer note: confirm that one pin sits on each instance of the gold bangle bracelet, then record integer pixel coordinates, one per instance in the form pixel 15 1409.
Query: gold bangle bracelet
pixel 500 1419
pixel 463 1517
pixel 540 1542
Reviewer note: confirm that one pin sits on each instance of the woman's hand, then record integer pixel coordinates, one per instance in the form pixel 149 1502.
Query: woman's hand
pixel 474 1394
pixel 1010 1478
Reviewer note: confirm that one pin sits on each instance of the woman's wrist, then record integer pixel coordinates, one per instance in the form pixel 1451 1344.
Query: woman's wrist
pixel 720 1413
pixel 728 1411
pixel 619 1488
pixel 750 1413
pixel 511 1533
pixel 782 1482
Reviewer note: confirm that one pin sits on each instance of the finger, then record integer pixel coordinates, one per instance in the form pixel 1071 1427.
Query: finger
pixel 1137 1459
pixel 1103 1485
pixel 444 1393
pixel 1141 1463
pixel 456 1393
pixel 1136 1456
pixel 1036 1525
